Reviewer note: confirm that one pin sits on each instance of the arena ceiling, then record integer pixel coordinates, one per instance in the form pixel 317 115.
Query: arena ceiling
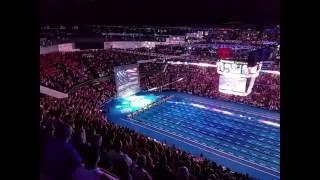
pixel 159 11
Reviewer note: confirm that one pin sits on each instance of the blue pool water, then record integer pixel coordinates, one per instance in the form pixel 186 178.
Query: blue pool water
pixel 121 106
pixel 243 138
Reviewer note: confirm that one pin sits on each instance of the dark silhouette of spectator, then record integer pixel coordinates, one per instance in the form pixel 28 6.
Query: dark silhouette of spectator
pixel 150 164
pixel 212 177
pixel 162 170
pixel 139 173
pixel 117 153
pixel 182 173
pixel 135 157
pixel 60 158
pixel 122 169
pixel 91 170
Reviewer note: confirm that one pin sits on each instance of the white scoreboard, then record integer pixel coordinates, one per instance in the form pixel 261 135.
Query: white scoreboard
pixel 232 67
pixel 236 77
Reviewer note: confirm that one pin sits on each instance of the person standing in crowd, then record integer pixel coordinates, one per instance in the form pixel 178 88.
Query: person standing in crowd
pixel 122 169
pixel 182 173
pixel 117 153
pixel 60 159
pixel 162 170
pixel 139 173
pixel 91 170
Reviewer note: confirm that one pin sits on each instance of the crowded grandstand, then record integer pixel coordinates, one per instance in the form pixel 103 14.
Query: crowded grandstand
pixel 77 79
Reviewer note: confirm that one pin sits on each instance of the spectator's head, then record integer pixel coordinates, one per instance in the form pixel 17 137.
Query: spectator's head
pixel 163 160
pixel 118 145
pixel 135 156
pixel 97 140
pixel 82 139
pixel 149 161
pixel 142 161
pixel 51 131
pixel 183 173
pixel 197 170
pixel 212 177
pixel 226 177
pixel 93 158
pixel 188 164
pixel 121 169
pixel 63 131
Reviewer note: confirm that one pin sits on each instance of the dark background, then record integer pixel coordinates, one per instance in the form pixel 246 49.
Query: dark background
pixel 157 12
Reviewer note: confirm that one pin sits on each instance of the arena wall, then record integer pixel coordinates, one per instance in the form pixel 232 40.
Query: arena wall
pixel 129 44
pixel 66 47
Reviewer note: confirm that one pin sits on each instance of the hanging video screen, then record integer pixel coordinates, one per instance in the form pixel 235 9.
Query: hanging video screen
pixel 127 80
pixel 232 85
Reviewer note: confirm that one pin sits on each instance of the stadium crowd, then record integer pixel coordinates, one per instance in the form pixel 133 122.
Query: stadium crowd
pixel 245 34
pixel 78 142
pixel 61 71
pixel 205 82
